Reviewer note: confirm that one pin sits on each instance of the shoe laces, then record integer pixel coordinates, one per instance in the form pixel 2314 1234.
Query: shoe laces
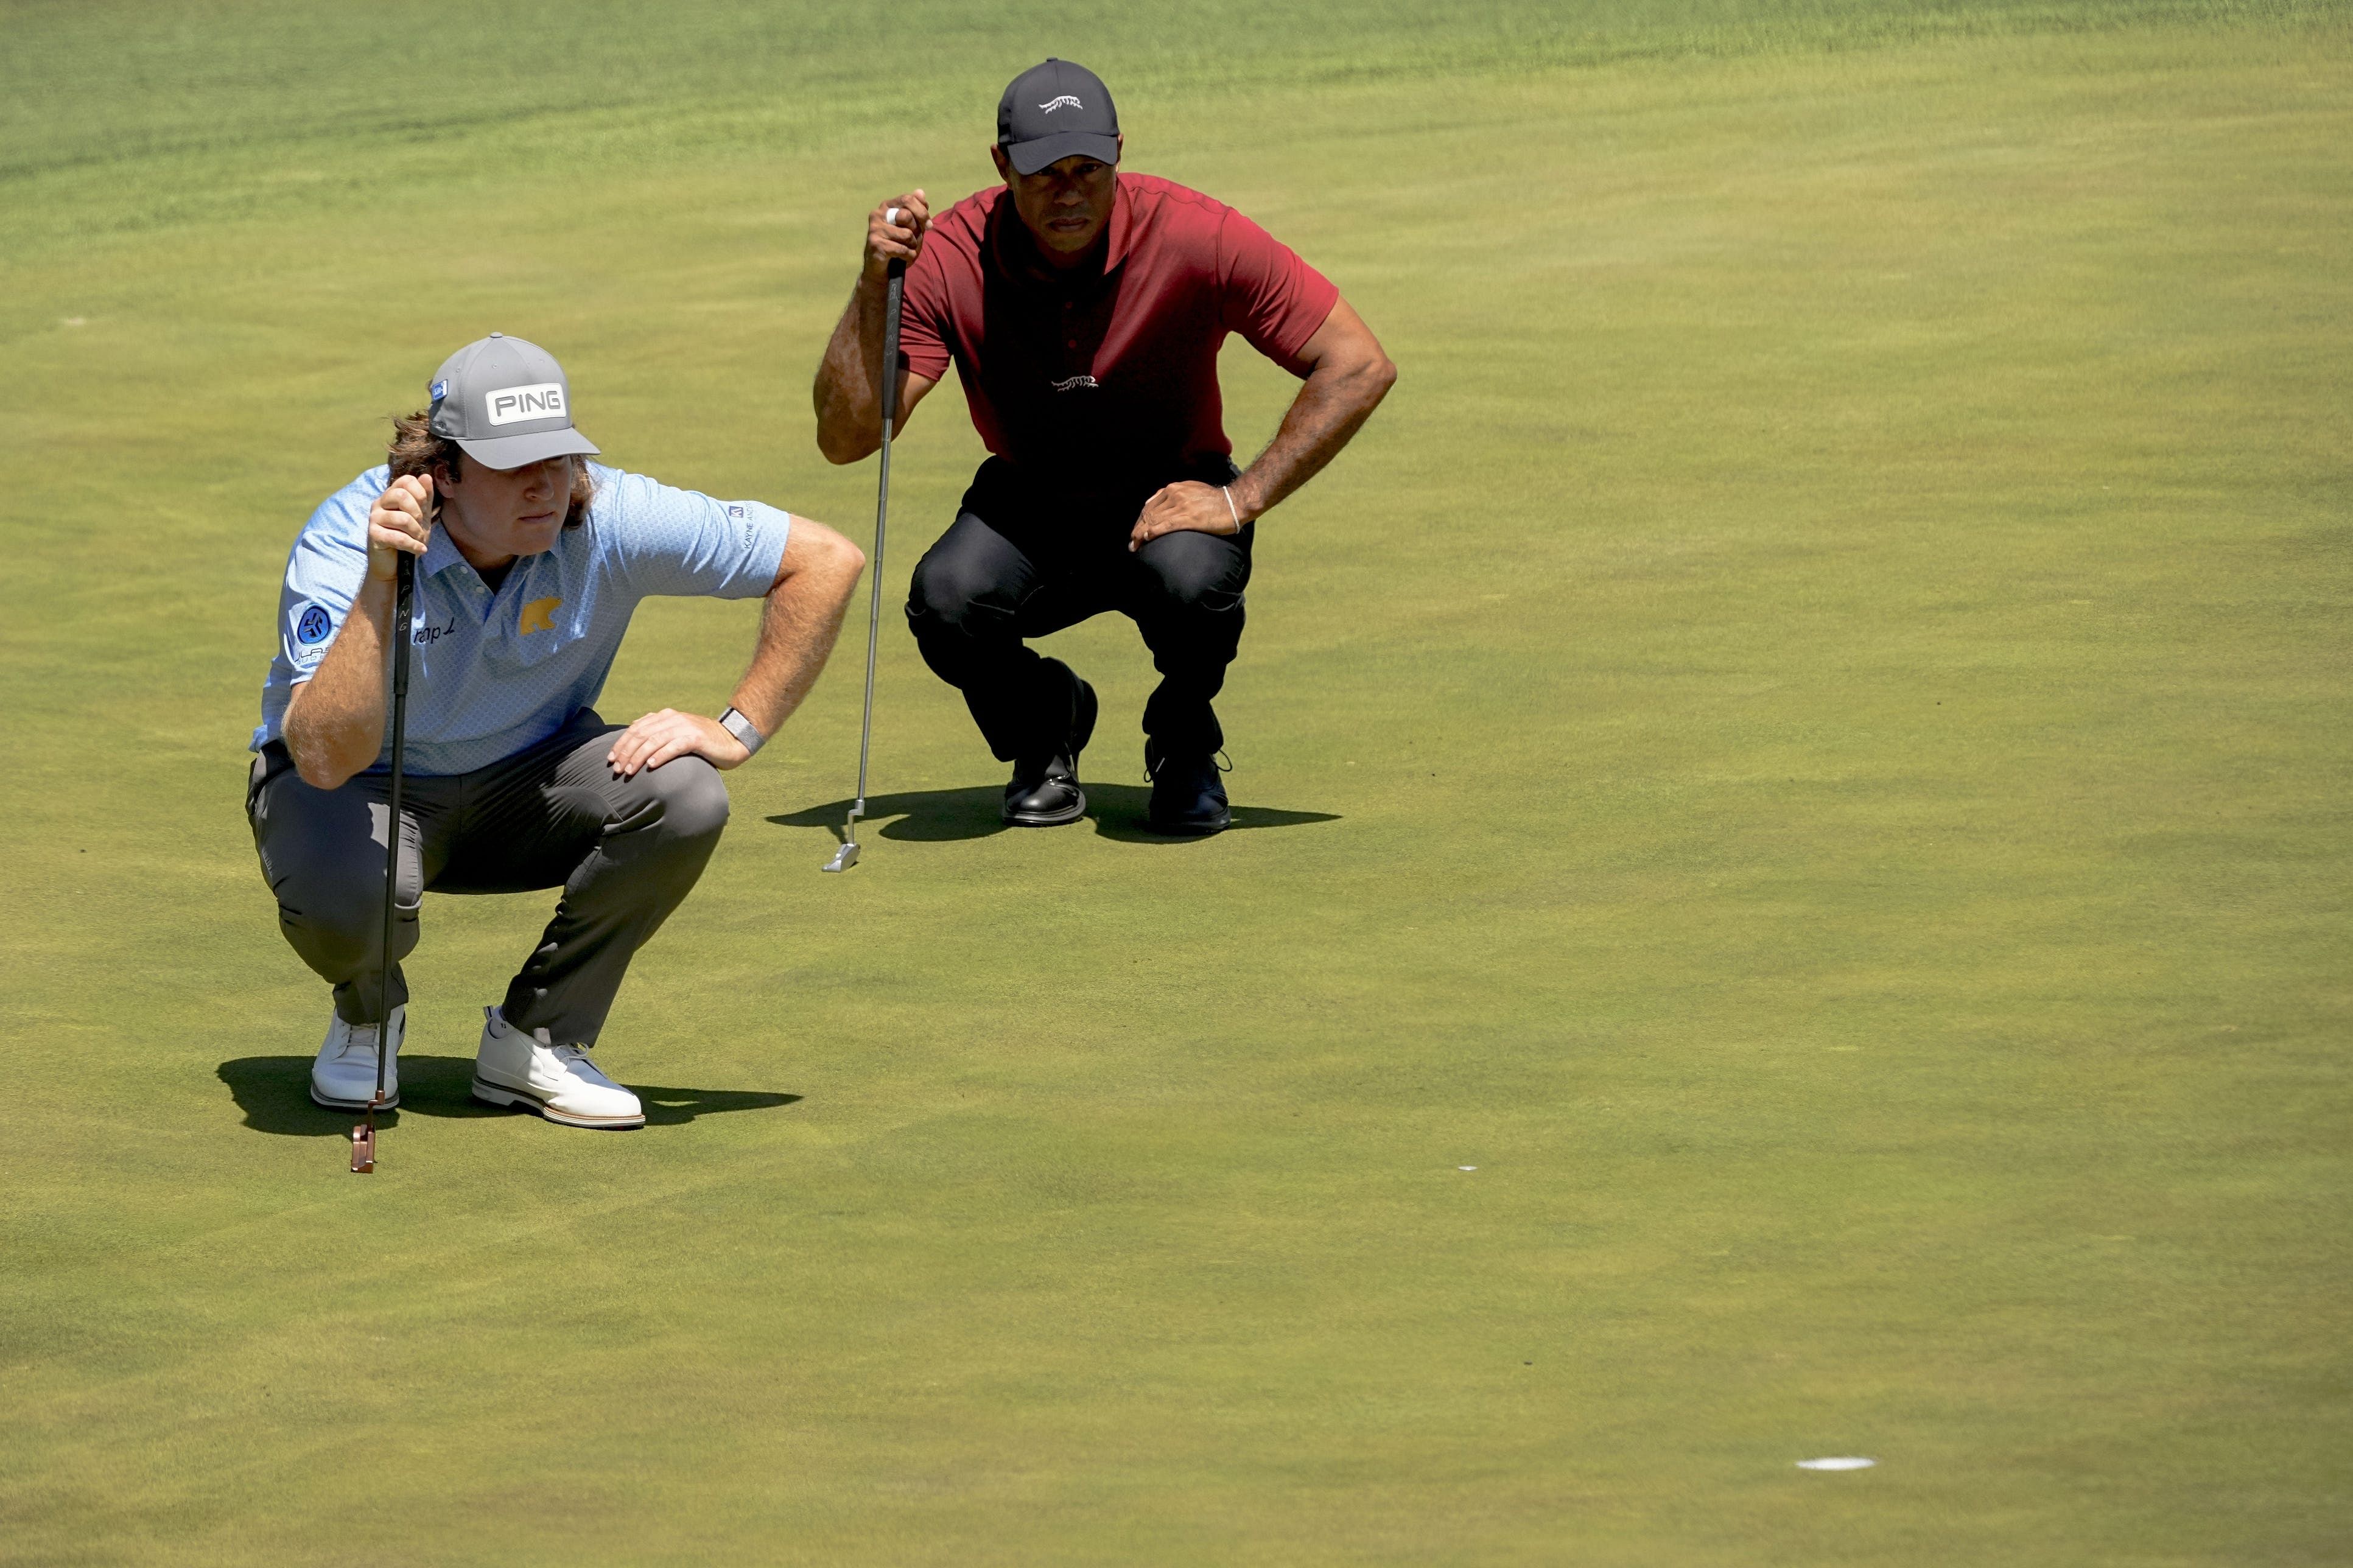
pixel 361 1041
pixel 575 1055
pixel 1153 764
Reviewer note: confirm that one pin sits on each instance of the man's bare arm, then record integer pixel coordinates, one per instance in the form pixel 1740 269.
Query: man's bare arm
pixel 1349 377
pixel 797 628
pixel 848 391
pixel 334 720
pixel 799 625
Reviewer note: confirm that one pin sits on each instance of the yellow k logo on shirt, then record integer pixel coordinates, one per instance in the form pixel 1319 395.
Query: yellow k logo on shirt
pixel 539 616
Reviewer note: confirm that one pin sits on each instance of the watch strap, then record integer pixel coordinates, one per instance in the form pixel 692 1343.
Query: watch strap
pixel 744 730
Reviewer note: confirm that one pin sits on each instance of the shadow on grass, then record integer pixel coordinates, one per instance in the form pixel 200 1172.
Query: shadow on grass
pixel 936 816
pixel 274 1093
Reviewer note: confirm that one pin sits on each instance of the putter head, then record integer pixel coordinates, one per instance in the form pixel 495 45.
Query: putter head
pixel 847 856
pixel 364 1140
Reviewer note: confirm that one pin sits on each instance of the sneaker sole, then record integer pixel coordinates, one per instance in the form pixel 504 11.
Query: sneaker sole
pixel 495 1094
pixel 321 1100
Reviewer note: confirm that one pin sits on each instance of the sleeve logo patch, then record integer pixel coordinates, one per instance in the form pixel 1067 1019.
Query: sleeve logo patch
pixel 543 400
pixel 539 616
pixel 313 625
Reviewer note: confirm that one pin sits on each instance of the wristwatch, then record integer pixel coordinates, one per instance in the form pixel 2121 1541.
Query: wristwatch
pixel 744 730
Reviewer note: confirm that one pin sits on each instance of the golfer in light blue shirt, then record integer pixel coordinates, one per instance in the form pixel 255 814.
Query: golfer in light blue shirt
pixel 531 561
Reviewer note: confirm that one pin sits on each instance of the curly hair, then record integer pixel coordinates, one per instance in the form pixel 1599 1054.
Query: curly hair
pixel 415 449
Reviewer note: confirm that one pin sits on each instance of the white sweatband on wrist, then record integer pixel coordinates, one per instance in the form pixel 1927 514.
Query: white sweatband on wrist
pixel 1230 507
pixel 744 730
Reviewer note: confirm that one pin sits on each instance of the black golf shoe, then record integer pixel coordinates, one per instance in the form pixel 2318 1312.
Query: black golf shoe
pixel 1188 796
pixel 1044 792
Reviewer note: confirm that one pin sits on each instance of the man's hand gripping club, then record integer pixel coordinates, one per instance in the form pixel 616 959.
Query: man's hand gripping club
pixel 849 390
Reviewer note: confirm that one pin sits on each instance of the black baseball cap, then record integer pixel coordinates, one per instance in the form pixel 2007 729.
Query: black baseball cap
pixel 1052 111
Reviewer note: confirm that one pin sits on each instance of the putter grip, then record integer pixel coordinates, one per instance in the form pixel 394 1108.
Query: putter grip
pixel 404 609
pixel 894 295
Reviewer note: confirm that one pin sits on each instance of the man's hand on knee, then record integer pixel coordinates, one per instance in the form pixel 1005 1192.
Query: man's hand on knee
pixel 1205 509
pixel 658 737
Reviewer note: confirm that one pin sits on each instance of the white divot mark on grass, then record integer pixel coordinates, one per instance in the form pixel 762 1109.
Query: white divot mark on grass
pixel 1466 1167
pixel 1845 1462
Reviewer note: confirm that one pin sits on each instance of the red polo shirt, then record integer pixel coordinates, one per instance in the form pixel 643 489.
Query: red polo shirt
pixel 1103 380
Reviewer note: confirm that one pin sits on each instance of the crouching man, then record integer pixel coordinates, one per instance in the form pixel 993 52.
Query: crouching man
pixel 530 561
pixel 1084 308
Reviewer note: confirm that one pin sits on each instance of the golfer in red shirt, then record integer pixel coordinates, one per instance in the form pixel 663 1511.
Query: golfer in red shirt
pixel 1083 308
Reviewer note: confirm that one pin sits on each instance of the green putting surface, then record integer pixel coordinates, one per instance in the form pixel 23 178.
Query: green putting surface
pixel 1791 889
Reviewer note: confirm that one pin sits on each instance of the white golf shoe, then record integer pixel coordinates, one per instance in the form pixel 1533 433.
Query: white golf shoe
pixel 558 1082
pixel 343 1077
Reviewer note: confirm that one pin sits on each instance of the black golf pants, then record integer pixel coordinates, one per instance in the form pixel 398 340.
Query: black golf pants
pixel 1004 573
pixel 625 851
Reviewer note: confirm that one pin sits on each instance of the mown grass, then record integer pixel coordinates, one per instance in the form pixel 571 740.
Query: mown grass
pixel 1808 744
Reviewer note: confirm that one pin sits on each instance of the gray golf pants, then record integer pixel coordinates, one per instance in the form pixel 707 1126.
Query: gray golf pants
pixel 625 851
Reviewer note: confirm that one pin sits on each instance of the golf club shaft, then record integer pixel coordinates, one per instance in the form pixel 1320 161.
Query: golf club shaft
pixel 890 392
pixel 403 606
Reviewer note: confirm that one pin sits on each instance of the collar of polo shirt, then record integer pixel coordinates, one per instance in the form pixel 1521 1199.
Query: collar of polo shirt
pixel 442 552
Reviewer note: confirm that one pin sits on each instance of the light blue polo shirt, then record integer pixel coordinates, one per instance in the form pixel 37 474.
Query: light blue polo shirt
pixel 490 674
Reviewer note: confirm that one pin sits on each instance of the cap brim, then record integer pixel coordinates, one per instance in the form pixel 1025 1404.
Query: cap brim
pixel 514 451
pixel 1028 157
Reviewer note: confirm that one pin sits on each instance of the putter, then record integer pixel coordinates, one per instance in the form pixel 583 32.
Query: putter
pixel 403 606
pixel 847 856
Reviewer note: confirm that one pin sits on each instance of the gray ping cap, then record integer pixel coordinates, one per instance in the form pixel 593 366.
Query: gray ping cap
pixel 506 404
pixel 1052 111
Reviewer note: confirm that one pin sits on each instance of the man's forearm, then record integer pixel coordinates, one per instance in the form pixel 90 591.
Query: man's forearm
pixel 849 389
pixel 798 631
pixel 334 724
pixel 1329 410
